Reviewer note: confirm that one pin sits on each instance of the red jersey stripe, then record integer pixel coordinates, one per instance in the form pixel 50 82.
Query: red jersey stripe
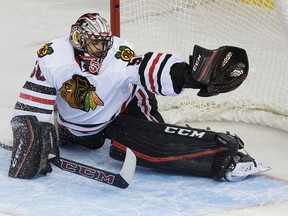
pixel 37 99
pixel 145 104
pixel 151 71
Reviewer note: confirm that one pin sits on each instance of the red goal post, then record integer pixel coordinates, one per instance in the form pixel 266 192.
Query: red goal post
pixel 175 26
pixel 115 17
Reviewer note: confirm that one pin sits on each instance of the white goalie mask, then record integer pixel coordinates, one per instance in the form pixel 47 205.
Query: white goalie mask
pixel 91 34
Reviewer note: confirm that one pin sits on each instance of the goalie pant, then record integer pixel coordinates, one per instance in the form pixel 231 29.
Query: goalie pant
pixel 175 148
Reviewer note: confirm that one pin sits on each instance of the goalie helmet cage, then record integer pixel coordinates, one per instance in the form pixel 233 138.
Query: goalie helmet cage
pixel 175 26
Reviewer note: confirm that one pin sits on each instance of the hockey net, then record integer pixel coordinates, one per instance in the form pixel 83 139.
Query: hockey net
pixel 259 26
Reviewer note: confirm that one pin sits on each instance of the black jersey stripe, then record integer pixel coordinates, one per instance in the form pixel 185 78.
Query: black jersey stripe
pixel 162 65
pixel 142 68
pixel 39 88
pixel 25 107
pixel 86 125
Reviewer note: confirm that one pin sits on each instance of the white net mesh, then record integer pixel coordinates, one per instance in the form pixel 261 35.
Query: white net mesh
pixel 175 26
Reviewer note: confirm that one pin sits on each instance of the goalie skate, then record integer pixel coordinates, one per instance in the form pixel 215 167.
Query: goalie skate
pixel 242 166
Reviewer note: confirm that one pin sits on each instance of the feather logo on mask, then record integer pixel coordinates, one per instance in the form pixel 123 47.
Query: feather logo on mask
pixel 80 94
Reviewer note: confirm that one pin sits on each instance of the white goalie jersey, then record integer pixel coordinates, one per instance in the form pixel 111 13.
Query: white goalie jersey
pixel 90 94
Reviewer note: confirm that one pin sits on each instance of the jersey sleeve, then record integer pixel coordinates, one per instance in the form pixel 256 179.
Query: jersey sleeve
pixel 37 97
pixel 152 71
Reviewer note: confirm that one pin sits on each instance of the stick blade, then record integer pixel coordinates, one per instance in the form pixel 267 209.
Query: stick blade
pixel 129 166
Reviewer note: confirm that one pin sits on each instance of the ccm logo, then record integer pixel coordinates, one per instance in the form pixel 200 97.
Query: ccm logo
pixel 184 132
pixel 87 172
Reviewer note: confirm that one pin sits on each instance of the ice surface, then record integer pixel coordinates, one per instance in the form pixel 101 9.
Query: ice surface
pixel 25 26
pixel 151 192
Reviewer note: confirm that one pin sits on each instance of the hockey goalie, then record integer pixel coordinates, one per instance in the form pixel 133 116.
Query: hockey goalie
pixel 98 88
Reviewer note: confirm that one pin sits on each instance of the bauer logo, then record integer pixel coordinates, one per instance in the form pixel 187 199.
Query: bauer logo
pixel 184 132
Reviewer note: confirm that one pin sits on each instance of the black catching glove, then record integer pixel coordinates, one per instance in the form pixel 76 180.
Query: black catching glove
pixel 216 71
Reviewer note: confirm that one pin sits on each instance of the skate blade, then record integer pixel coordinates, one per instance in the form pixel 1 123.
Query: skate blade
pixel 242 170
pixel 252 169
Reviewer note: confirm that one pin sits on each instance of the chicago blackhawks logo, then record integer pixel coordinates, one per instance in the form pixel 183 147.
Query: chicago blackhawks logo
pixel 80 94
pixel 45 50
pixel 125 53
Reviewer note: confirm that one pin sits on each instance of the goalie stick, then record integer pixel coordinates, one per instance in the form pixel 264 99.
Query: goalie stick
pixel 120 180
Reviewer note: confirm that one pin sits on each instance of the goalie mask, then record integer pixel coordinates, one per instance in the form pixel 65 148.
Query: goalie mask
pixel 91 34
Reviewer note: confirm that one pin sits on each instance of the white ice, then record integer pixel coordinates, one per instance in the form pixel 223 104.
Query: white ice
pixel 25 26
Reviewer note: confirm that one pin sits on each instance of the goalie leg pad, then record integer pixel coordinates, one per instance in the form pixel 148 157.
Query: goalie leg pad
pixel 32 142
pixel 170 147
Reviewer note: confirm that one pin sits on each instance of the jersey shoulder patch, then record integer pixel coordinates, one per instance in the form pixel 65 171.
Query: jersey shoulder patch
pixel 125 53
pixel 45 50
